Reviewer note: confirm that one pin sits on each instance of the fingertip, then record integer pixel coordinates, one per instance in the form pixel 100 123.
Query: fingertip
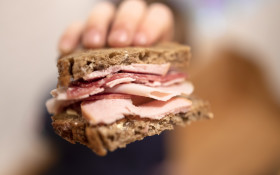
pixel 119 38
pixel 65 46
pixel 97 26
pixel 93 39
pixel 140 39
pixel 126 22
pixel 156 26
pixel 70 38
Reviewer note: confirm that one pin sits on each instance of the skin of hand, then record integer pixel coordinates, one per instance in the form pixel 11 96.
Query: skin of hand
pixel 133 23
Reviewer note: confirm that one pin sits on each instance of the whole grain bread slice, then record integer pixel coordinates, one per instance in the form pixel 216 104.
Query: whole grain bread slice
pixel 101 138
pixel 80 63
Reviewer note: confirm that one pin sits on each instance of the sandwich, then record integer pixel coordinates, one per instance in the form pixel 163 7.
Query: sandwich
pixel 108 98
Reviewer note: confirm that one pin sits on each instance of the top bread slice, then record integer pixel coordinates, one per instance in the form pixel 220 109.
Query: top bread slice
pixel 80 63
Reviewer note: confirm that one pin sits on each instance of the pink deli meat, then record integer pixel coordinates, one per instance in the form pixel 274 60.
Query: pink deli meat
pixel 55 106
pixel 110 110
pixel 82 89
pixel 144 90
pixel 157 93
pixel 157 69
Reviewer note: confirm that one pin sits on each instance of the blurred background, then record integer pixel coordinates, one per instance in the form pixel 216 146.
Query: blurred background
pixel 236 67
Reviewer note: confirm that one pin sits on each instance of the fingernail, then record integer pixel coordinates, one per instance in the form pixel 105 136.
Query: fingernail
pixel 66 46
pixel 92 39
pixel 140 39
pixel 119 37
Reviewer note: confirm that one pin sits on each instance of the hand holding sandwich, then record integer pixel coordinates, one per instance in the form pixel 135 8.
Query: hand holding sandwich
pixel 107 98
pixel 133 23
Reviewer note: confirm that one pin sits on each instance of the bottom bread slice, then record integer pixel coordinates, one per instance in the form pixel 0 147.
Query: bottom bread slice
pixel 101 138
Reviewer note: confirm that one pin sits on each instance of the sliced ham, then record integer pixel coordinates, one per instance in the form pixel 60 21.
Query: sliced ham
pixel 158 93
pixel 108 96
pixel 157 69
pixel 143 90
pixel 139 78
pixel 83 89
pixel 78 94
pixel 174 81
pixel 110 110
pixel 54 105
pixel 119 81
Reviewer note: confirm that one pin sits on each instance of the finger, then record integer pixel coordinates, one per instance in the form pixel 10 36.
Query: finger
pixel 157 25
pixel 126 23
pixel 70 38
pixel 97 25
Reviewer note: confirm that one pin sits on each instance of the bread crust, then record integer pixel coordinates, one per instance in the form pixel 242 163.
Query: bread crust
pixel 82 62
pixel 94 141
pixel 103 138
